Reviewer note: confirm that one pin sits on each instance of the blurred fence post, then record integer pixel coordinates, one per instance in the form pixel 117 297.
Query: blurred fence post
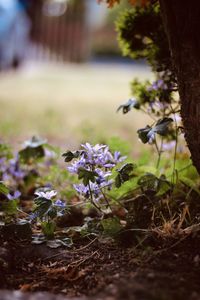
pixel 61 38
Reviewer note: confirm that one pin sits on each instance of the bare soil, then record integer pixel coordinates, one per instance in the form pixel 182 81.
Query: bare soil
pixel 102 269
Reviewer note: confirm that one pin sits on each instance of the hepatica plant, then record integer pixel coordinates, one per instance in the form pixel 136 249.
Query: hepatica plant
pixel 93 165
pixel 47 209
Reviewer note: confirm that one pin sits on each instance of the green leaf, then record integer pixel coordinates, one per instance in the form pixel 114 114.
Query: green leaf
pixel 56 150
pixel 124 174
pixel 161 128
pixel 43 206
pixel 190 183
pixel 3 189
pixel 118 181
pixel 69 155
pixel 38 239
pixel 117 144
pixel 29 154
pixel 52 212
pixel 87 176
pixel 67 242
pixel 126 107
pixel 10 207
pixel 164 186
pixel 111 226
pixel 126 168
pixel 5 151
pixel 148 182
pixel 143 134
pixel 48 229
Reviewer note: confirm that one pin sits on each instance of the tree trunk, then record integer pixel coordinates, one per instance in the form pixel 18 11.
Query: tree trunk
pixel 182 24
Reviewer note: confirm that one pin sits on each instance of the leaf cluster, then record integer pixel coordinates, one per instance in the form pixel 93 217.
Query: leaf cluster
pixel 141 35
pixel 70 155
pixel 34 150
pixel 124 174
pixel 161 127
pixel 87 176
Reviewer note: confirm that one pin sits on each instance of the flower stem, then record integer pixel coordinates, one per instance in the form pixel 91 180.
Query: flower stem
pixel 92 200
pixel 106 200
pixel 159 151
pixel 175 148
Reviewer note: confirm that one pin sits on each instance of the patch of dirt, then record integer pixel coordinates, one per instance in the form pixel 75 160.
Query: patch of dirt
pixel 103 270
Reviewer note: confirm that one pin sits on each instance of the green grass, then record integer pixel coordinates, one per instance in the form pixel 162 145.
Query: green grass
pixel 69 103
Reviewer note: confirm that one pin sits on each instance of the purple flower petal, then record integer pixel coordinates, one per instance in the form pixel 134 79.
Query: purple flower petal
pixel 59 203
pixel 15 195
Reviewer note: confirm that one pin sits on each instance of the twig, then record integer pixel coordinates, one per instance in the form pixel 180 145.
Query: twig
pixel 86 246
pixel 172 246
pixel 81 261
pixel 53 256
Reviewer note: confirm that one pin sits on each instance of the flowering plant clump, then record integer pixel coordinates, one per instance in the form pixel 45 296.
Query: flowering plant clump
pixel 47 209
pixel 46 206
pixel 94 165
pixel 11 170
pixel 9 201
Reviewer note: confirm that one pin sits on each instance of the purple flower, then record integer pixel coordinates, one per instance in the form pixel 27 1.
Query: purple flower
pixel 93 149
pixel 95 156
pixel 33 215
pixel 160 83
pixel 82 189
pixel 49 154
pixel 3 164
pixel 59 203
pixel 6 177
pixel 156 85
pixel 102 175
pixel 95 187
pixel 99 159
pixel 14 169
pixel 14 196
pixel 76 165
pixel 18 174
pixel 85 191
pixel 118 158
pixel 177 118
pixel 11 169
pixel 168 146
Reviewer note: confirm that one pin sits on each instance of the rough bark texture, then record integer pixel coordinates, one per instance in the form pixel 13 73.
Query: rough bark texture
pixel 182 23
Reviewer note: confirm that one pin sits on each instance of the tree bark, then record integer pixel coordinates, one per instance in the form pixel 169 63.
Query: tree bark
pixel 181 19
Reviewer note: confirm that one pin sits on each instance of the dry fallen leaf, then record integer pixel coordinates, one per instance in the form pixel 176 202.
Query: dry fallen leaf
pixel 25 287
pixel 70 273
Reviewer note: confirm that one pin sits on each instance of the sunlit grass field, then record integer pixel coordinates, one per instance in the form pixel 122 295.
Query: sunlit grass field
pixel 69 104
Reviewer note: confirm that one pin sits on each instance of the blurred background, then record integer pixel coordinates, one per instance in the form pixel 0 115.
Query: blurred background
pixel 62 75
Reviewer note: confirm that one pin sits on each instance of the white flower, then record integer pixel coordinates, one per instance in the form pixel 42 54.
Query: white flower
pixel 47 195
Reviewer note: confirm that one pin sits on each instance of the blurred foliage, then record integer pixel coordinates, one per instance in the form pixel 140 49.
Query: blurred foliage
pixel 141 35
pixel 111 3
pixel 114 13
